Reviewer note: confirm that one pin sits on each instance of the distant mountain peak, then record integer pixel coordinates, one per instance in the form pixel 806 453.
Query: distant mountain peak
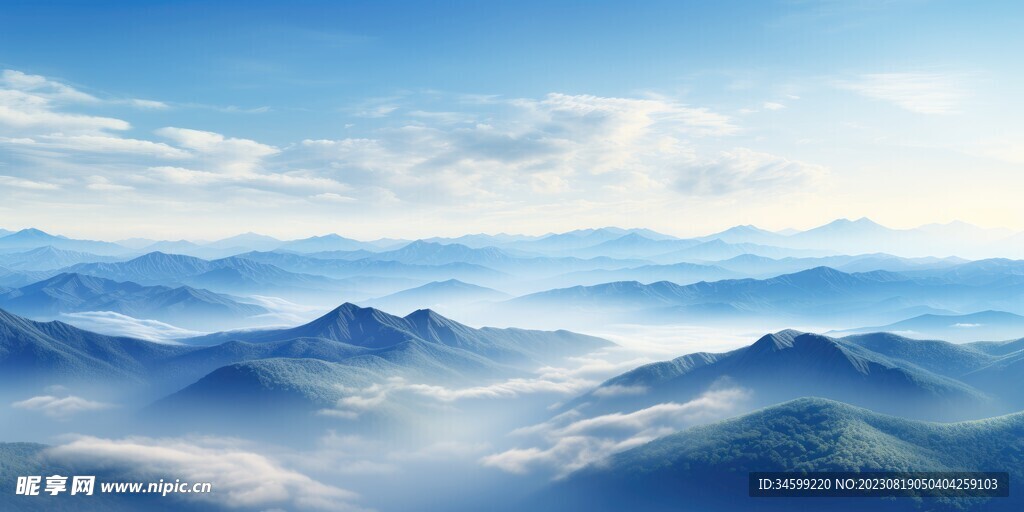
pixel 33 232
pixel 861 223
pixel 418 244
pixel 426 314
pixel 774 342
pixel 163 256
pixel 747 228
pixel 346 308
pixel 821 270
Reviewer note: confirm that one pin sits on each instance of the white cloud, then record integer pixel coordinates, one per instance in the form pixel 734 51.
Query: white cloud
pixel 300 182
pixel 377 111
pixel 240 477
pixel 558 154
pixel 29 114
pixel 569 441
pixel 148 104
pixel 744 169
pixel 183 176
pixel 101 183
pixel 116 324
pixel 227 154
pixel 331 197
pixel 507 389
pixel 43 87
pixel 11 181
pixel 556 146
pixel 617 390
pixel 110 144
pixel 60 407
pixel 30 105
pixel 771 105
pixel 241 163
pixel 548 380
pixel 924 93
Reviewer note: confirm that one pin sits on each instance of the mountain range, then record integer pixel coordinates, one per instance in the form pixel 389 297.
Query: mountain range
pixel 884 372
pixel 184 306
pixel 48 258
pixel 31 238
pixel 984 325
pixel 752 265
pixel 839 236
pixel 329 242
pixel 341 268
pixel 569 242
pixel 679 273
pixel 227 275
pixel 39 354
pixel 427 253
pixel 818 294
pixel 423 345
pixel 373 328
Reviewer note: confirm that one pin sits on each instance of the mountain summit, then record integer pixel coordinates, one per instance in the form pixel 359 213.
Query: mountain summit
pixel 373 328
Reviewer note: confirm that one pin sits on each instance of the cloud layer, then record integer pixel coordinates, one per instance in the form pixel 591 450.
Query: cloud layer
pixel 494 156
pixel 116 324
pixel 239 477
pixel 60 407
pixel 571 441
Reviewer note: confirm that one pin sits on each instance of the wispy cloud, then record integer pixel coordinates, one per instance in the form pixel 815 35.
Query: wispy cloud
pixel 743 169
pixel 148 104
pixel 60 407
pixel 490 156
pixel 12 181
pixel 116 324
pixel 560 144
pixel 360 400
pixel 26 114
pixel 91 143
pixel 924 93
pixel 103 184
pixel 230 154
pixel 582 373
pixel 43 87
pixel 56 91
pixel 571 441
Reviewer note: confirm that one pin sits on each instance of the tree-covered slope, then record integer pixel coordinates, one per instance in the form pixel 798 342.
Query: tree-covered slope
pixel 706 467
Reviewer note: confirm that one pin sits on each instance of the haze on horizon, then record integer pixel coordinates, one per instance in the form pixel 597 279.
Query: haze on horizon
pixel 360 120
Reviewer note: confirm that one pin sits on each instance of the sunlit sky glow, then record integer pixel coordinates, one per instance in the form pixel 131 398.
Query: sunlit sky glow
pixel 413 119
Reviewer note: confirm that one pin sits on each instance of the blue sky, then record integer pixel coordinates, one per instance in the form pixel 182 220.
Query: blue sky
pixel 173 119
